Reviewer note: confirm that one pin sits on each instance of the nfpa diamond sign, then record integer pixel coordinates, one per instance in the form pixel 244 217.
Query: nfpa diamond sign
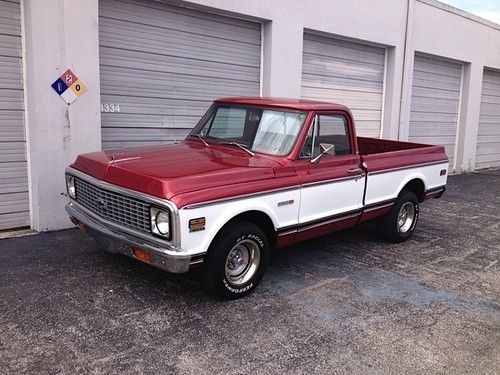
pixel 69 87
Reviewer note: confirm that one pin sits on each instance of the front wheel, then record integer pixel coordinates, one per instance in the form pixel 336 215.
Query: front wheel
pixel 399 224
pixel 236 260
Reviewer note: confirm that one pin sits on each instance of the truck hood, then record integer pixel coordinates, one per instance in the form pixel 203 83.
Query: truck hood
pixel 169 170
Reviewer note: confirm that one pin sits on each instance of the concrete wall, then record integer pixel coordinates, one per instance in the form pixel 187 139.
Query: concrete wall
pixel 64 33
pixel 58 34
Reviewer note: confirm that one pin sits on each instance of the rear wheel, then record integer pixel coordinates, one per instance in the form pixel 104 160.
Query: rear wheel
pixel 399 224
pixel 236 260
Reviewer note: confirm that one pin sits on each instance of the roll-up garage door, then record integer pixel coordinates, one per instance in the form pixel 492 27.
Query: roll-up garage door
pixel 346 73
pixel 488 136
pixel 162 65
pixel 435 99
pixel 14 206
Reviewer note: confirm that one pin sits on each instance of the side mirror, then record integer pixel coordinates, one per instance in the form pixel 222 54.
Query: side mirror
pixel 326 148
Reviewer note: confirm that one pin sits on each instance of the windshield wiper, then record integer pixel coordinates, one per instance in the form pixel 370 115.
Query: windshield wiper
pixel 202 138
pixel 243 147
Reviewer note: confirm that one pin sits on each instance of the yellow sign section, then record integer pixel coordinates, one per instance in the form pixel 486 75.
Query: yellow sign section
pixel 78 87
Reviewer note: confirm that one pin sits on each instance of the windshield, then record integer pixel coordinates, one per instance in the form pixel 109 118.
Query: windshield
pixel 268 131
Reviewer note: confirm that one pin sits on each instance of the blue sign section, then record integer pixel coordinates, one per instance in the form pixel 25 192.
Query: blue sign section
pixel 59 86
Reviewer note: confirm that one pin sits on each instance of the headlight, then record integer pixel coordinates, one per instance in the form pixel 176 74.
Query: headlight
pixel 70 186
pixel 160 222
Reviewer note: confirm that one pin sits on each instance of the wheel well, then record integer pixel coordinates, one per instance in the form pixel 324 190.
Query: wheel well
pixel 260 219
pixel 417 187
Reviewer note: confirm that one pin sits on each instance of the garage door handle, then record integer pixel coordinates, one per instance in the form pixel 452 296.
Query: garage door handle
pixel 354 170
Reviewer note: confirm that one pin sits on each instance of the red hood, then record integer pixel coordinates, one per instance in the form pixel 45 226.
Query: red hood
pixel 169 170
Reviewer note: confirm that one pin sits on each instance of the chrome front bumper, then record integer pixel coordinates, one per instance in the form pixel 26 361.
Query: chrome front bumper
pixel 115 241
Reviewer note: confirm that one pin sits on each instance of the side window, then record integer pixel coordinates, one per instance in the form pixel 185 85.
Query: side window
pixel 331 129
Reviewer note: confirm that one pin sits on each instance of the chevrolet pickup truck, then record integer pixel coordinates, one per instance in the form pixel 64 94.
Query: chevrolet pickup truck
pixel 254 174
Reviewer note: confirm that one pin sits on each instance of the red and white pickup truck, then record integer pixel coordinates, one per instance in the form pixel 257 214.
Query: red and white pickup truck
pixel 254 174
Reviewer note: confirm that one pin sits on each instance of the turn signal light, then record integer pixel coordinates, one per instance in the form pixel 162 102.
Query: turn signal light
pixel 197 224
pixel 141 254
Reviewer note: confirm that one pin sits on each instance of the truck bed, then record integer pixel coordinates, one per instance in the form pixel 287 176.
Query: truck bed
pixel 380 154
pixel 369 146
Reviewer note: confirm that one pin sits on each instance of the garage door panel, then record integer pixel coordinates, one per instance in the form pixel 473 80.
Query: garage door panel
pixel 310 81
pixel 14 185
pixel 423 116
pixel 348 73
pixel 122 122
pixel 435 82
pixel 156 63
pixel 14 220
pixel 11 170
pixel 11 99
pixel 14 202
pixel 12 151
pixel 341 69
pixel 431 93
pixel 438 68
pixel 490 88
pixel 154 107
pixel 435 128
pixel 174 44
pixel 342 50
pixel 354 99
pixel 181 19
pixel 487 160
pixel 493 101
pixel 435 105
pixel 178 13
pixel 142 137
pixel 487 127
pixel 163 65
pixel 435 102
pixel 489 141
pixel 491 77
pixel 172 86
pixel 489 108
pixel 10 45
pixel 488 135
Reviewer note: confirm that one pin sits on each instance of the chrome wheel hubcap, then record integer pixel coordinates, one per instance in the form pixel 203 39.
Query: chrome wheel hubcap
pixel 242 262
pixel 406 216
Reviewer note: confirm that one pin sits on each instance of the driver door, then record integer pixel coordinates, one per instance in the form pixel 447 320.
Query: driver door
pixel 332 188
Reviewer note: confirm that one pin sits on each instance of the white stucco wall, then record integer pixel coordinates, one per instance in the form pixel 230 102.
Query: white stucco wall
pixel 60 34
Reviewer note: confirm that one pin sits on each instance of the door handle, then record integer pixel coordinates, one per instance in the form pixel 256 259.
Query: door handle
pixel 354 170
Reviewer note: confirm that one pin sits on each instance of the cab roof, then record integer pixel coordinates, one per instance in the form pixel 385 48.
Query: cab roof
pixel 296 104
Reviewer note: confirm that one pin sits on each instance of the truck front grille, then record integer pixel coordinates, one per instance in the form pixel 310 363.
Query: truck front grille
pixel 115 207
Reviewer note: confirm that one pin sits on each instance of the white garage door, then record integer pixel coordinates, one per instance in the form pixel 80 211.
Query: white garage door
pixel 435 99
pixel 14 207
pixel 488 137
pixel 346 73
pixel 161 66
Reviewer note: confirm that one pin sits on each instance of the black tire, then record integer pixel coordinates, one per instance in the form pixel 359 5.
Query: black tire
pixel 219 277
pixel 388 226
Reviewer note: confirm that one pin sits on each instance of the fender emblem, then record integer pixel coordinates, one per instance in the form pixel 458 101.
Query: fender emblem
pixel 286 203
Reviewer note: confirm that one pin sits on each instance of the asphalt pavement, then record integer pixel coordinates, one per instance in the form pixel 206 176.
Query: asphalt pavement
pixel 347 303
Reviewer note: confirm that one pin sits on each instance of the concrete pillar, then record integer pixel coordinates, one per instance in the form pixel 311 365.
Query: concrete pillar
pixel 407 74
pixel 392 93
pixel 282 65
pixel 57 35
pixel 470 103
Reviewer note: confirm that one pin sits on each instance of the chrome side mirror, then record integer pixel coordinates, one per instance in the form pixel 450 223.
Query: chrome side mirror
pixel 326 148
